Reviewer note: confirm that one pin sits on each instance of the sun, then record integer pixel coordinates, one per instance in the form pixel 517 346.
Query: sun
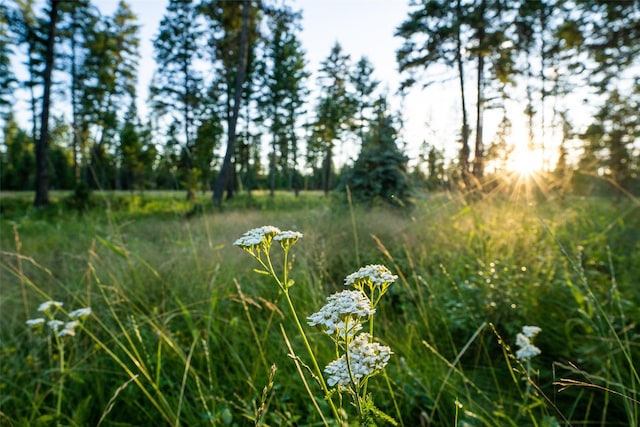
pixel 525 162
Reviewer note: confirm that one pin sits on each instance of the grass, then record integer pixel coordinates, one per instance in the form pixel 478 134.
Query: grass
pixel 183 332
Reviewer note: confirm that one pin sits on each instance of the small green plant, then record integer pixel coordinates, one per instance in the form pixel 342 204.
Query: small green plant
pixel 358 355
pixel 59 332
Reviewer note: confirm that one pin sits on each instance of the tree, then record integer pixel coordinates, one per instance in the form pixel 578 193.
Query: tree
pixel 334 111
pixel 380 172
pixel 364 86
pixel 177 87
pixel 17 166
pixel 282 79
pixel 457 33
pixel 440 23
pixel 42 144
pixel 233 32
pixel 7 78
pixel 611 137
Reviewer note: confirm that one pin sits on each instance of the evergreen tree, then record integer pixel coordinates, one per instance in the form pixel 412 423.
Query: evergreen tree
pixel 17 166
pixel 282 79
pixel 42 144
pixel 7 78
pixel 233 34
pixel 364 86
pixel 334 111
pixel 380 172
pixel 177 87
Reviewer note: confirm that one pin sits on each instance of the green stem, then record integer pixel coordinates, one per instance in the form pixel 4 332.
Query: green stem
pixel 283 286
pixel 316 367
pixel 60 346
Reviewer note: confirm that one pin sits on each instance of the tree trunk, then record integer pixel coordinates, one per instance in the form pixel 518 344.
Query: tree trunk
pixel 464 151
pixel 41 149
pixel 326 170
pixel 478 155
pixel 222 181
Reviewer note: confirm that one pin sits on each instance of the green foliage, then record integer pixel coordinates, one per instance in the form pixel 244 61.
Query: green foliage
pixel 379 175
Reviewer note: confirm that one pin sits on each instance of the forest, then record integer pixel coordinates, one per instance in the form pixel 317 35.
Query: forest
pixel 252 121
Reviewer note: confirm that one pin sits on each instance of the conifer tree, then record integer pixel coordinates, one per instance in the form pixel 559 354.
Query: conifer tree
pixel 177 88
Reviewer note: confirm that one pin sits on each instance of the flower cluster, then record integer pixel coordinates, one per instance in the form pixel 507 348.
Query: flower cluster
pixel 524 341
pixel 365 359
pixel 342 314
pixel 370 275
pixel 58 327
pixel 259 239
pixel 342 319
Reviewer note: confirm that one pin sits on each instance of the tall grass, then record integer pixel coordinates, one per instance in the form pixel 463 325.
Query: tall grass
pixel 183 332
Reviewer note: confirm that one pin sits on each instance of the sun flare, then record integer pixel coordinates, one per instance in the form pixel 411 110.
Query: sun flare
pixel 525 162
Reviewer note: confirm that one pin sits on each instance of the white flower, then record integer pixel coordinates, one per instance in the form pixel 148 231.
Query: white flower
pixel 32 323
pixel 80 313
pixel 257 236
pixel 530 331
pixel 365 359
pixel 287 238
pixel 285 235
pixel 342 313
pixel 526 348
pixel 69 329
pixel 46 306
pixel 372 275
pixel 55 324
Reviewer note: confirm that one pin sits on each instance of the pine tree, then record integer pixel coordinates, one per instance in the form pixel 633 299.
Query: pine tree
pixel 177 88
pixel 379 175
pixel 282 79
pixel 334 111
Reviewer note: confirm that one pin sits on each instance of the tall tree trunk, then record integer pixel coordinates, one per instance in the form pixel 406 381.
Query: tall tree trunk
pixel 465 150
pixel 42 145
pixel 326 170
pixel 478 155
pixel 191 195
pixel 223 180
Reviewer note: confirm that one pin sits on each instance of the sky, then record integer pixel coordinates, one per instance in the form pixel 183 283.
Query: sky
pixel 362 27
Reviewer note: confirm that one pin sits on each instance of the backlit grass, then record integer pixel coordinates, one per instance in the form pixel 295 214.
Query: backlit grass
pixel 183 332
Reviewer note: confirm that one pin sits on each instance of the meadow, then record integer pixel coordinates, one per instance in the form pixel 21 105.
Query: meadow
pixel 184 331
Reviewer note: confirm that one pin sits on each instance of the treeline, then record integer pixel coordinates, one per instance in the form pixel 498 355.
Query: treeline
pixel 231 109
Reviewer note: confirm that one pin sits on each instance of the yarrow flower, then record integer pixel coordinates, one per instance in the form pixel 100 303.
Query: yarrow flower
pixel 530 331
pixel 365 359
pixel 526 348
pixel 69 329
pixel 257 238
pixel 370 275
pixel 55 324
pixel 342 313
pixel 34 323
pixel 287 238
pixel 80 313
pixel 46 306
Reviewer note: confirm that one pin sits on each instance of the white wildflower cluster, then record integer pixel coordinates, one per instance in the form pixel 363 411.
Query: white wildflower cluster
pixel 342 319
pixel 365 358
pixel 59 327
pixel 260 239
pixel 343 313
pixel 524 341
pixel 370 275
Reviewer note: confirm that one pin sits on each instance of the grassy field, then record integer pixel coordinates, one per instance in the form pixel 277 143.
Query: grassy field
pixel 183 331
